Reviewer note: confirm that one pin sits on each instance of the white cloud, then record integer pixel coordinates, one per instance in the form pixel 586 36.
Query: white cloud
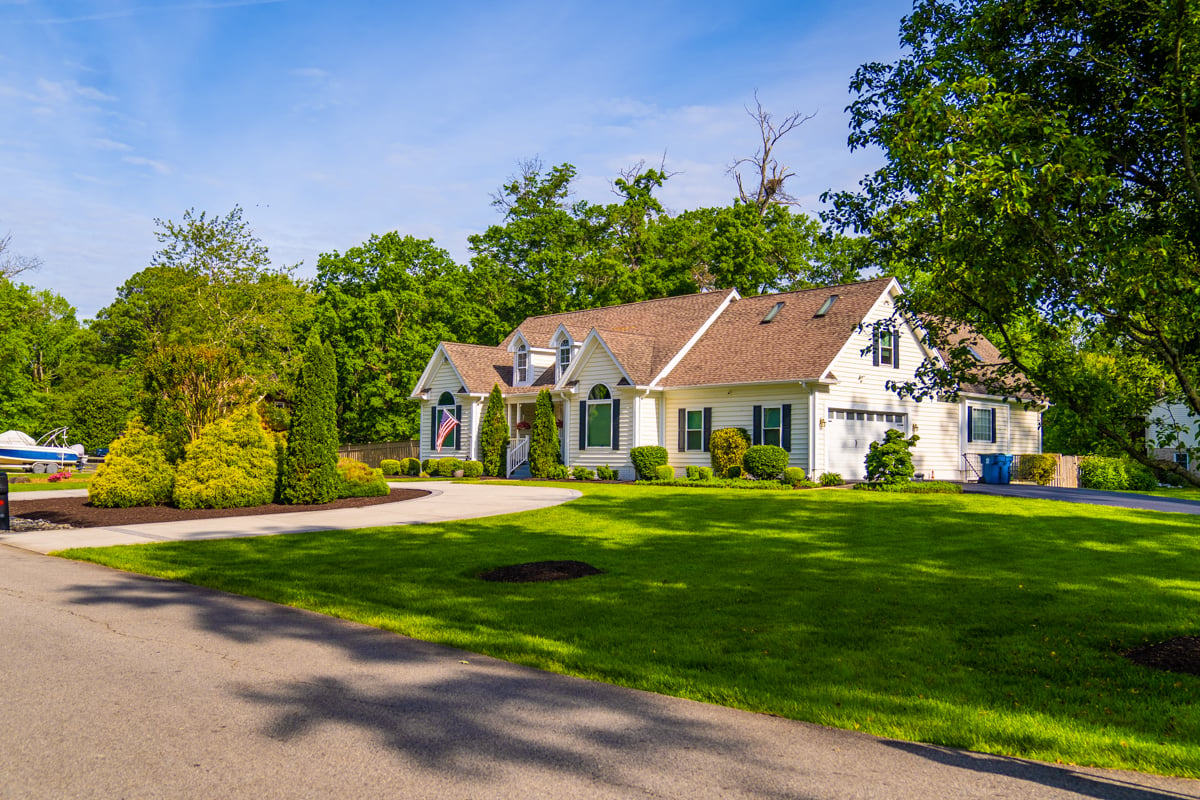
pixel 139 161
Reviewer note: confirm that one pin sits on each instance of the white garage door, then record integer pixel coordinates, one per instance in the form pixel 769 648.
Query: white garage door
pixel 849 434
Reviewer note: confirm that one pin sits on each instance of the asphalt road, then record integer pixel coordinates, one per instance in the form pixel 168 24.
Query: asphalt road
pixel 1093 497
pixel 121 686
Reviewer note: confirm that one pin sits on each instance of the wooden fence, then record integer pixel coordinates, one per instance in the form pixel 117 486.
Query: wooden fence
pixel 372 454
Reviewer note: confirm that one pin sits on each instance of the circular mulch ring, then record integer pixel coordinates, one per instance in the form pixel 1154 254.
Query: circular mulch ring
pixel 541 571
pixel 1181 654
pixel 76 512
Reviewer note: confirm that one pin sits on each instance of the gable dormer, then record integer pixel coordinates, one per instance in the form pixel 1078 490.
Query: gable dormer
pixel 565 350
pixel 522 360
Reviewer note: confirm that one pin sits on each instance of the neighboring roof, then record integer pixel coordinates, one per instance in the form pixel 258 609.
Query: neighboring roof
pixel 795 345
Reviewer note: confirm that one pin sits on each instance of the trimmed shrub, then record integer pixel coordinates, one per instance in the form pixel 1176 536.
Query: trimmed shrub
pixel 890 461
pixel 1039 468
pixel 429 466
pixel 726 446
pixel 493 437
pixel 230 465
pixel 802 484
pixel 410 466
pixel 356 479
pixel 693 472
pixel 832 479
pixel 664 473
pixel 559 473
pixel 390 466
pixel 543 437
pixel 793 475
pixel 134 473
pixel 310 473
pixel 446 467
pixel 922 487
pixel 766 462
pixel 706 473
pixel 724 483
pixel 1115 474
pixel 472 469
pixel 646 460
pixel 582 474
pixel 734 471
pixel 605 473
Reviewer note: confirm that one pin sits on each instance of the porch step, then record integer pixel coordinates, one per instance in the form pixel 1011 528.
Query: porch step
pixel 521 472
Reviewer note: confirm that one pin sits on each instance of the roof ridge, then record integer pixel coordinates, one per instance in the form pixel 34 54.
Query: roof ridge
pixel 623 305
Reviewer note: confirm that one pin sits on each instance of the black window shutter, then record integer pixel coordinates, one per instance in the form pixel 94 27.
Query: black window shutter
pixel 756 435
pixel 583 424
pixel 616 425
pixel 875 344
pixel 707 427
pixel 433 427
pixel 785 435
pixel 970 430
pixel 993 439
pixel 458 427
pixel 895 349
pixel 682 429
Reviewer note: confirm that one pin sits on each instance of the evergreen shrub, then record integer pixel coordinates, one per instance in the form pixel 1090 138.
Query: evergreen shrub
pixel 664 473
pixel 890 461
pixel 606 473
pixel 766 462
pixel 356 479
pixel 558 473
pixel 1039 468
pixel 693 472
pixel 543 437
pixel 472 469
pixel 429 466
pixel 706 473
pixel 793 475
pixel 493 438
pixel 230 465
pixel 726 446
pixel 832 479
pixel 646 460
pixel 582 474
pixel 446 467
pixel 733 471
pixel 390 466
pixel 410 466
pixel 134 473
pixel 1115 474
pixel 310 473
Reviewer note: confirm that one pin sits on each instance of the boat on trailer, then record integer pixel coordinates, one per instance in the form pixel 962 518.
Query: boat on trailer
pixel 51 453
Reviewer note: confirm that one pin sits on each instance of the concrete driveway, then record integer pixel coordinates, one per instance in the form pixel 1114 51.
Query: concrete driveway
pixel 1093 497
pixel 118 685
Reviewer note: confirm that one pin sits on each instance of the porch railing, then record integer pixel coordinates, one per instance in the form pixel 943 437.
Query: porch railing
pixel 518 454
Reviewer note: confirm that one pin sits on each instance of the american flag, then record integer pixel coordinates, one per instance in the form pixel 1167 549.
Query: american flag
pixel 448 424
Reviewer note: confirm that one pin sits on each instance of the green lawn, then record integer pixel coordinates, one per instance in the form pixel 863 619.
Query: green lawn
pixel 41 483
pixel 986 623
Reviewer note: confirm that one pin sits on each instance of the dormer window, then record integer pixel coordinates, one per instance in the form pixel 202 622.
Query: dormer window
pixel 564 355
pixel 522 369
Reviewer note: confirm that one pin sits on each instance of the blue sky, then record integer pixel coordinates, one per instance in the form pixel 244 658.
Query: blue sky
pixel 331 121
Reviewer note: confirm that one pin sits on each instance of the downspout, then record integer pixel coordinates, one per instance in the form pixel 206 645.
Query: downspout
pixel 812 432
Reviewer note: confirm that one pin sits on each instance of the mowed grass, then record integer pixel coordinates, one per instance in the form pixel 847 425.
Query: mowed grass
pixel 42 483
pixel 992 624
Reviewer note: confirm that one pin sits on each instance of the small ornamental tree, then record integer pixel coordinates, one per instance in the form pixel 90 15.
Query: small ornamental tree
pixel 726 447
pixel 310 473
pixel 493 439
pixel 230 465
pixel 544 447
pixel 890 461
pixel 134 473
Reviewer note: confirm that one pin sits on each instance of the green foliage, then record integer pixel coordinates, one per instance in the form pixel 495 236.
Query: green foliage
pixel 231 464
pixel 719 483
pixel 429 466
pixel 356 479
pixel 890 461
pixel 647 459
pixel 472 469
pixel 98 413
pixel 803 484
pixel 692 472
pixel 664 472
pixel 766 462
pixel 446 467
pixel 1115 474
pixel 494 435
pixel 605 473
pixel 582 474
pixel 1058 220
pixel 733 471
pixel 390 466
pixel 726 447
pixel 1037 467
pixel 135 472
pixel 310 473
pixel 544 445
pixel 558 473
pixel 706 474
pixel 832 479
pixel 919 487
pixel 410 467
pixel 793 475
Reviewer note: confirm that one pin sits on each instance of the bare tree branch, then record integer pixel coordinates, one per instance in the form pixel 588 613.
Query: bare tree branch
pixel 765 168
pixel 12 264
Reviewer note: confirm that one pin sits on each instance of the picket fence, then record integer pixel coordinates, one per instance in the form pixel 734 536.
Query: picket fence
pixel 372 454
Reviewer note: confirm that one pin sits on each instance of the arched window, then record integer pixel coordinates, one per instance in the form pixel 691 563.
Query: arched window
pixel 446 399
pixel 453 438
pixel 564 354
pixel 599 416
pixel 522 364
pixel 599 392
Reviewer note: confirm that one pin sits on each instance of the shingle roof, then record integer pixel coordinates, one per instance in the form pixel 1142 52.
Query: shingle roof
pixel 990 359
pixel 795 345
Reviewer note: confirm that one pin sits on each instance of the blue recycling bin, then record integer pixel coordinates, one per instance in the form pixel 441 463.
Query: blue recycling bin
pixel 996 468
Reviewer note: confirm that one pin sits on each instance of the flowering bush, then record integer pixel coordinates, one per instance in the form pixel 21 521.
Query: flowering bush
pixel 59 476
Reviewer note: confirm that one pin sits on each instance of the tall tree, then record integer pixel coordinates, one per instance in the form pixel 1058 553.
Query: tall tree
pixel 544 447
pixel 493 438
pixel 1041 184
pixel 309 473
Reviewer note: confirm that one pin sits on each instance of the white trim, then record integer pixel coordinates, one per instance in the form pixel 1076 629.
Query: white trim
pixel 683 351
pixel 594 335
pixel 427 373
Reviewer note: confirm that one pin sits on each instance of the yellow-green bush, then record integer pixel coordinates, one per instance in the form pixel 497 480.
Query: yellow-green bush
pixel 231 465
pixel 134 473
pixel 390 466
pixel 359 480
pixel 1039 468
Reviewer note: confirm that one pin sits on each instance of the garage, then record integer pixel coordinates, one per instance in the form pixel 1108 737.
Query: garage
pixel 848 435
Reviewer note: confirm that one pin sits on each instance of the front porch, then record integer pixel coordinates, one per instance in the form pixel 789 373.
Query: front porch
pixel 520 413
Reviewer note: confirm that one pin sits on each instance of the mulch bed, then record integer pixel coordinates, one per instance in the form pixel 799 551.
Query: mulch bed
pixel 78 513
pixel 1181 654
pixel 540 571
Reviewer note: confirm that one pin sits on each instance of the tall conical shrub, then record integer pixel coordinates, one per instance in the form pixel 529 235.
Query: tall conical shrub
pixel 310 468
pixel 493 440
pixel 544 448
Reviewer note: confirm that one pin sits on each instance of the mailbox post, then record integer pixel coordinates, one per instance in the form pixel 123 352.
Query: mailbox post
pixel 4 521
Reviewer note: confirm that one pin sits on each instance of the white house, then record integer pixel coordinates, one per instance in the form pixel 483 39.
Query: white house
pixel 802 370
pixel 1174 419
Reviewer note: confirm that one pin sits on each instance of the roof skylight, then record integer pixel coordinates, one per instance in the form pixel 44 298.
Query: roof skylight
pixel 772 313
pixel 826 306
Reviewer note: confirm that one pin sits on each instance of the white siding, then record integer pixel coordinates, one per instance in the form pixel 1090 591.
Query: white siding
pixel 648 420
pixel 598 367
pixel 1026 430
pixel 733 407
pixel 1173 414
pixel 444 379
